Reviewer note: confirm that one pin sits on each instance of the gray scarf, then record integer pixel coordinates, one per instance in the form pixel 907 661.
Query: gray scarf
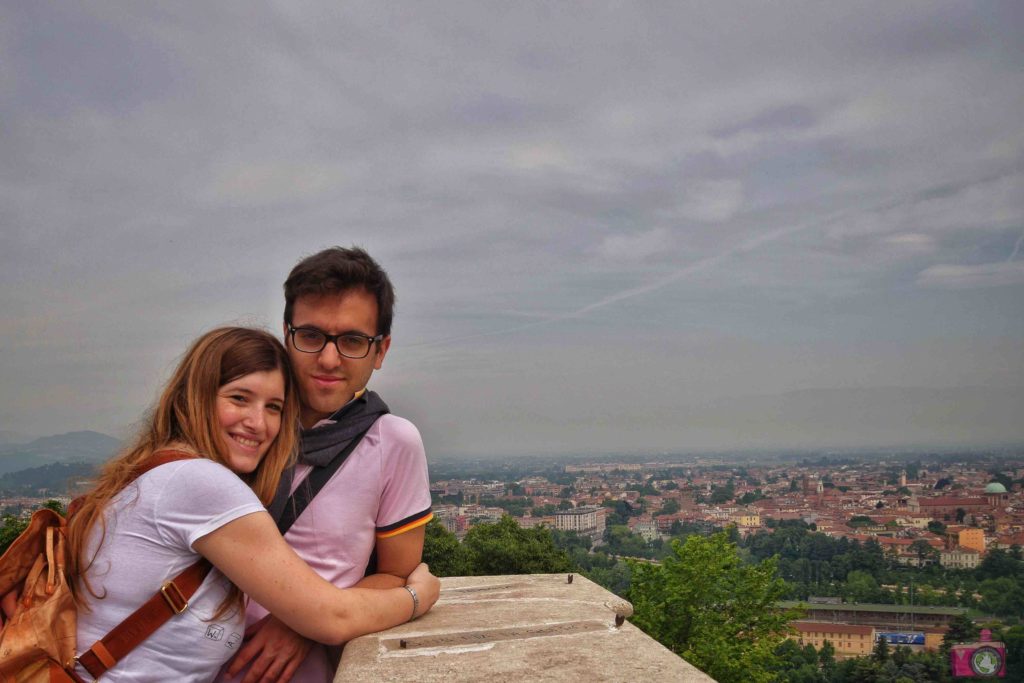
pixel 320 445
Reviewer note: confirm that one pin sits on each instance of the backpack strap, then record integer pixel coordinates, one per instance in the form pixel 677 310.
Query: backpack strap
pixel 316 480
pixel 171 600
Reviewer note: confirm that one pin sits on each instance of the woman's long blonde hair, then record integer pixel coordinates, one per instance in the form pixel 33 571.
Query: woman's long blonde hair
pixel 185 417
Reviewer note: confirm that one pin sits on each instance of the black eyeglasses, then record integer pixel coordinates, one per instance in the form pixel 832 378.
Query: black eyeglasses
pixel 349 344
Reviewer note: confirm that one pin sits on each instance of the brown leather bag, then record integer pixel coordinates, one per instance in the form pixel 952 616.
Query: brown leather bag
pixel 37 644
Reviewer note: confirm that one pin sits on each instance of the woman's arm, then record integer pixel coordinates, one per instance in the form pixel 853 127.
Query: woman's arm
pixel 254 556
pixel 273 652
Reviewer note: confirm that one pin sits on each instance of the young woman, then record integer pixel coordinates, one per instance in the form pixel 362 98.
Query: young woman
pixel 232 402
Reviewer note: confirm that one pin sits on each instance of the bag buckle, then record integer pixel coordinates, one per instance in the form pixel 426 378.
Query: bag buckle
pixel 172 595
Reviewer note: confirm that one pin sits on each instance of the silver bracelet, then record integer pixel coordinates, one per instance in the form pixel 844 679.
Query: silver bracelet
pixel 415 601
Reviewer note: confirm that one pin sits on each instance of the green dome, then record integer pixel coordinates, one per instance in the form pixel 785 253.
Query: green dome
pixel 995 487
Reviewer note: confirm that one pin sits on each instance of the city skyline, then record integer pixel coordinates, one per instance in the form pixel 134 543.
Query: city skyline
pixel 629 228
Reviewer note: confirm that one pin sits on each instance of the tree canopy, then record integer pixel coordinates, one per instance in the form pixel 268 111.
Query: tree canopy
pixel 506 548
pixel 705 604
pixel 442 551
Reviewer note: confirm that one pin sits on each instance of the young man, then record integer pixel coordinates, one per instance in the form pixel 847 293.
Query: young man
pixel 339 304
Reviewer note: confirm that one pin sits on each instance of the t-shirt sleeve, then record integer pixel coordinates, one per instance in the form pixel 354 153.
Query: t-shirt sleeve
pixel 199 497
pixel 405 501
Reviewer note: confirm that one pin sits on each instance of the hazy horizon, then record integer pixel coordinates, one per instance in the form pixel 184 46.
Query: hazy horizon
pixel 13 442
pixel 610 227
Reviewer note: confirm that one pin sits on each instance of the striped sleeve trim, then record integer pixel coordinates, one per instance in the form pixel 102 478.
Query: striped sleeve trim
pixel 403 525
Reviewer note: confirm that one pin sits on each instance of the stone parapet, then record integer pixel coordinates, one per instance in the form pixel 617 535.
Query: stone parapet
pixel 539 627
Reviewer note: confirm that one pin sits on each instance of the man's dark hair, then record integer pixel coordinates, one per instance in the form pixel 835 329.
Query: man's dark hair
pixel 337 270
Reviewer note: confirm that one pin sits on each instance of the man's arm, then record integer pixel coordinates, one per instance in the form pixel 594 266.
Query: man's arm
pixel 397 556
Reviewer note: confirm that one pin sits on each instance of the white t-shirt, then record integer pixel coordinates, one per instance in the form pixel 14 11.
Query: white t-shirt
pixel 150 529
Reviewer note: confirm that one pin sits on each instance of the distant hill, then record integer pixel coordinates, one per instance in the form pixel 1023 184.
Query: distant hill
pixel 53 477
pixel 78 444
pixel 86 446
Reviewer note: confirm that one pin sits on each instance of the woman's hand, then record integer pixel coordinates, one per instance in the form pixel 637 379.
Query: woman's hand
pixel 427 586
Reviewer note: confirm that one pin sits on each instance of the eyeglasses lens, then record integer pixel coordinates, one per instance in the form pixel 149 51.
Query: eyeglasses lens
pixel 313 341
pixel 310 341
pixel 353 346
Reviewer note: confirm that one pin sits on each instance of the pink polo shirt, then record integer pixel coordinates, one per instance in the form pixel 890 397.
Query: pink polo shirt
pixel 381 490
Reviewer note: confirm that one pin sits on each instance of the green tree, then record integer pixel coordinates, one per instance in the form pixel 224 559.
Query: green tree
pixel 1013 638
pixel 798 664
pixel 620 511
pixel 506 548
pixel 616 578
pixel 11 529
pixel 571 541
pixel 441 550
pixel 621 541
pixel 858 670
pixel 11 526
pixel 722 494
pixel 998 564
pixel 881 651
pixel 861 586
pixel 56 506
pixel 1003 596
pixel 827 660
pixel 669 507
pixel 924 552
pixel 718 613
pixel 961 629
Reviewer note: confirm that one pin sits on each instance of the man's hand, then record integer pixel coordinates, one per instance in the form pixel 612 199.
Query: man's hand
pixel 274 650
pixel 428 588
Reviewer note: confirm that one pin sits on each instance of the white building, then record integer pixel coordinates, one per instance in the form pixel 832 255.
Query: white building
pixel 960 558
pixel 646 527
pixel 586 519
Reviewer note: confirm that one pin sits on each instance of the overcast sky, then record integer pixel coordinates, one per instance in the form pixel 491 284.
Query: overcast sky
pixel 613 227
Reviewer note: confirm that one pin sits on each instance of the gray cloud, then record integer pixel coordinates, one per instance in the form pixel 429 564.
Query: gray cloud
pixel 948 276
pixel 580 207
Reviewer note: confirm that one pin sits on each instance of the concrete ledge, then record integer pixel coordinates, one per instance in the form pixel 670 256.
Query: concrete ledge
pixel 500 628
